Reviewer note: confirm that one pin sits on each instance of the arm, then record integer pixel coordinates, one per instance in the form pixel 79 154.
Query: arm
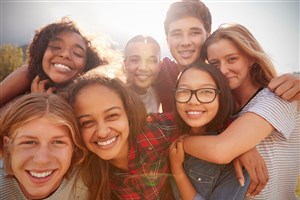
pixel 176 156
pixel 14 84
pixel 287 86
pixel 241 135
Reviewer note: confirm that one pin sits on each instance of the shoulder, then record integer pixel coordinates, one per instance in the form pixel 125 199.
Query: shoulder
pixel 9 187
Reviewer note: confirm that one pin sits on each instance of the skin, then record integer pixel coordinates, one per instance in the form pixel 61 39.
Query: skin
pixel 36 153
pixel 194 113
pixel 235 66
pixel 142 64
pixel 105 128
pixel 65 57
pixel 185 38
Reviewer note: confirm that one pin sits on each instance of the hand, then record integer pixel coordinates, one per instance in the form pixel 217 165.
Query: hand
pixel 39 86
pixel 176 156
pixel 287 86
pixel 256 168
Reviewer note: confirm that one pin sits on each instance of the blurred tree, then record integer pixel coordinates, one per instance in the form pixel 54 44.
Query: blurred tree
pixel 11 58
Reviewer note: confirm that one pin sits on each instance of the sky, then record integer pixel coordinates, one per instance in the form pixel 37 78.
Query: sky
pixel 275 24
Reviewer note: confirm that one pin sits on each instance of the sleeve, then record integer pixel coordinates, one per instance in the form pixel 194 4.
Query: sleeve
pixel 282 115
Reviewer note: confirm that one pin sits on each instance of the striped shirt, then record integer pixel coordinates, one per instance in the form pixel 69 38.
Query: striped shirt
pixel 280 149
pixel 10 190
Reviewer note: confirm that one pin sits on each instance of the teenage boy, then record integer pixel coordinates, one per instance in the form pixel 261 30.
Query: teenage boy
pixel 142 66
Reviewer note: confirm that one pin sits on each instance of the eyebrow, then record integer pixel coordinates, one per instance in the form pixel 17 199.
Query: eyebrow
pixel 105 111
pixel 60 40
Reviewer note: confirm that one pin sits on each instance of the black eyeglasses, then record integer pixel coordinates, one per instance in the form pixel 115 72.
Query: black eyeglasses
pixel 203 95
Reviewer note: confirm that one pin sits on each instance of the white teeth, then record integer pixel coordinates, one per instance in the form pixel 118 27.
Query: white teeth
pixel 61 66
pixel 107 142
pixel 40 175
pixel 194 112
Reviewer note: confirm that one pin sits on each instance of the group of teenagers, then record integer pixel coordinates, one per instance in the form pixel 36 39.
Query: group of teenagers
pixel 214 123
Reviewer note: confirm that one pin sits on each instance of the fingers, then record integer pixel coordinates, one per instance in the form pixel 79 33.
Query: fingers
pixel 286 86
pixel 239 172
pixel 262 181
pixel 39 86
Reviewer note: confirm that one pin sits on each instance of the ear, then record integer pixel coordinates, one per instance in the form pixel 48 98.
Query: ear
pixel 251 62
pixel 6 140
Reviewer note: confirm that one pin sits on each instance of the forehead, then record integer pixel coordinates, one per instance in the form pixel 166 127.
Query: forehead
pixel 42 127
pixel 186 23
pixel 142 49
pixel 96 98
pixel 196 77
pixel 69 38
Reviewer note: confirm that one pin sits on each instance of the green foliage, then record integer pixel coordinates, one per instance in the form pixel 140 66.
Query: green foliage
pixel 11 59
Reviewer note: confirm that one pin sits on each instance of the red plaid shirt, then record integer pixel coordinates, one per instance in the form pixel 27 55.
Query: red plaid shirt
pixel 148 162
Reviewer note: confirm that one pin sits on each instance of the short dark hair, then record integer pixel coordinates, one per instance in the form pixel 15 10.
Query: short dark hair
pixel 188 8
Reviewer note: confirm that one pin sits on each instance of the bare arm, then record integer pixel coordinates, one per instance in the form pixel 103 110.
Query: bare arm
pixel 238 138
pixel 287 86
pixel 14 84
pixel 184 185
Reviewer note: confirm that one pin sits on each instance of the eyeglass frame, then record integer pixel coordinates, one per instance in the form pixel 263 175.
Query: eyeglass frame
pixel 194 92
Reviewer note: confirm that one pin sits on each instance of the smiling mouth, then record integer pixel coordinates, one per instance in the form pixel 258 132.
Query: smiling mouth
pixel 186 54
pixel 41 174
pixel 107 142
pixel 62 67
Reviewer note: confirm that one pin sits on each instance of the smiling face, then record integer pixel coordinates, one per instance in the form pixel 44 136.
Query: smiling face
pixel 185 38
pixel 142 64
pixel 65 57
pixel 232 62
pixel 41 154
pixel 195 114
pixel 103 122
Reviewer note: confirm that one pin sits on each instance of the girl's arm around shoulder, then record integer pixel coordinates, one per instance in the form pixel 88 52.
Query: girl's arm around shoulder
pixel 265 114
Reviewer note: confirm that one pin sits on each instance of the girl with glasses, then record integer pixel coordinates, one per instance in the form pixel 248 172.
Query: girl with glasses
pixel 204 105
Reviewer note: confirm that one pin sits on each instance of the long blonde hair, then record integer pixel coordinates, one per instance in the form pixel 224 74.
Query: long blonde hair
pixel 262 71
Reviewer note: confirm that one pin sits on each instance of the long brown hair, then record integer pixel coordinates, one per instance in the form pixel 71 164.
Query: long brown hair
pixel 95 171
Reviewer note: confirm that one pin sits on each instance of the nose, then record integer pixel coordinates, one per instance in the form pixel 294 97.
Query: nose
pixel 185 40
pixel 65 53
pixel 193 100
pixel 223 68
pixel 42 155
pixel 143 65
pixel 103 130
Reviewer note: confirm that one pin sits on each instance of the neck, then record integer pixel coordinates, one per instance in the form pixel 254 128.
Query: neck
pixel 139 91
pixel 180 68
pixel 197 131
pixel 242 95
pixel 121 161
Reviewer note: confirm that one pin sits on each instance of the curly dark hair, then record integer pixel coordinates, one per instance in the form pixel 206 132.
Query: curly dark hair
pixel 39 43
